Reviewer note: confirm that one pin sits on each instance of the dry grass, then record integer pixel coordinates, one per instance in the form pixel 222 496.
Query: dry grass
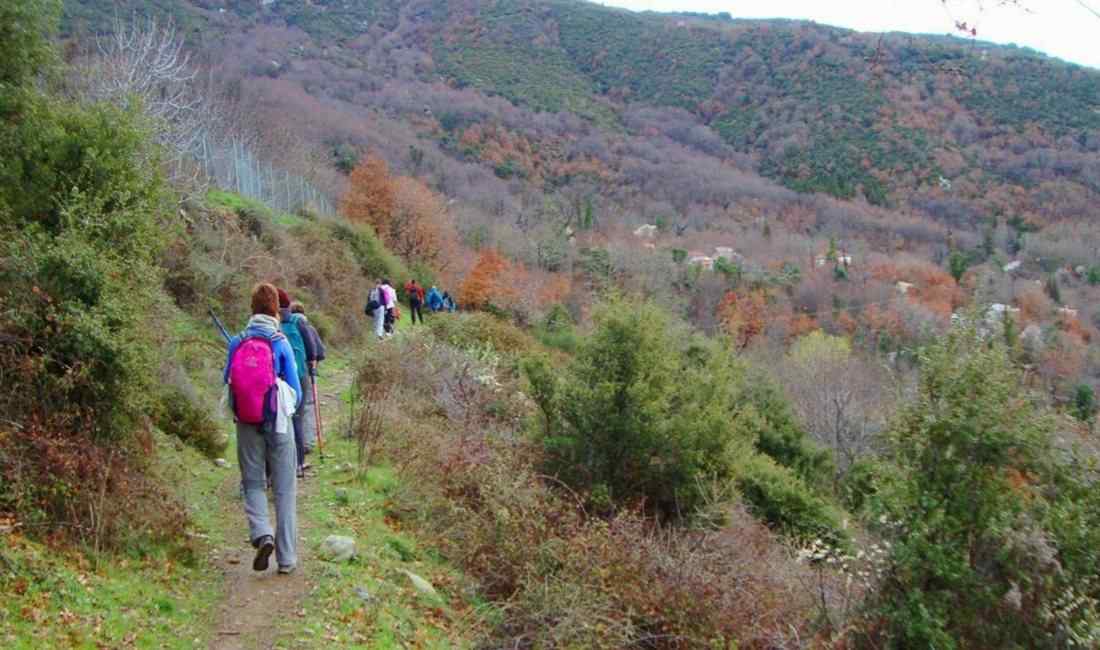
pixel 561 576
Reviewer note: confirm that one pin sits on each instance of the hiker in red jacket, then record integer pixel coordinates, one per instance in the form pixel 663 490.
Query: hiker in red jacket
pixel 415 292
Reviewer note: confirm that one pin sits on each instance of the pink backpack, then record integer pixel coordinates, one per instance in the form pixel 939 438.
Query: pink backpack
pixel 252 384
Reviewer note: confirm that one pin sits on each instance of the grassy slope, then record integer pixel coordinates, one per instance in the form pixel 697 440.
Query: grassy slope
pixel 69 598
pixel 347 501
pixel 58 598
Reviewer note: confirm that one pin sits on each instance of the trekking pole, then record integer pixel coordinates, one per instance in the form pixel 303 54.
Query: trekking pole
pixel 218 323
pixel 351 406
pixel 317 416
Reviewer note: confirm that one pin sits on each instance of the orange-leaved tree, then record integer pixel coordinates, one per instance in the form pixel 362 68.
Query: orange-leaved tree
pixel 743 316
pixel 371 196
pixel 406 214
pixel 419 227
pixel 487 282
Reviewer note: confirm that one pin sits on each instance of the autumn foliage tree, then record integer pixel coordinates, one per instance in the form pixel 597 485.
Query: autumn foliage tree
pixel 371 196
pixel 487 282
pixel 743 315
pixel 418 229
pixel 409 217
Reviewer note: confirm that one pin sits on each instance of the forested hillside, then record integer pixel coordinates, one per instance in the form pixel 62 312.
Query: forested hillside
pixel 769 334
pixel 554 129
pixel 816 109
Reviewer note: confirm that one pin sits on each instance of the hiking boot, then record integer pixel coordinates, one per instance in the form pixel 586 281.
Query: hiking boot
pixel 265 546
pixel 287 570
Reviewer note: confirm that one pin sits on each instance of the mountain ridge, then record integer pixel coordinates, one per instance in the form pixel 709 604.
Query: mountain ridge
pixel 891 119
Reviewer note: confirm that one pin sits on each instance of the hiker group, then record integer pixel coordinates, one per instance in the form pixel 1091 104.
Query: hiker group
pixel 383 309
pixel 271 379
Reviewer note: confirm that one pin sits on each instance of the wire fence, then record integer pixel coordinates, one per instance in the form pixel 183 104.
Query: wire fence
pixel 231 165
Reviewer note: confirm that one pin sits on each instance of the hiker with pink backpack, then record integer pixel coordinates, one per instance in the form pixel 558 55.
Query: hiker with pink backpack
pixel 265 393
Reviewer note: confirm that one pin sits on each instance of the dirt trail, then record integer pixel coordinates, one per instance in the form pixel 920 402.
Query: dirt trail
pixel 256 605
pixel 260 607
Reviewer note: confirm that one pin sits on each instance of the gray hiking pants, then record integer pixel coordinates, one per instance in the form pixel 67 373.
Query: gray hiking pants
pixel 379 321
pixel 256 452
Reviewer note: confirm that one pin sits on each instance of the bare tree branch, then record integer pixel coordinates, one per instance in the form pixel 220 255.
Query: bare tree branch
pixel 1088 8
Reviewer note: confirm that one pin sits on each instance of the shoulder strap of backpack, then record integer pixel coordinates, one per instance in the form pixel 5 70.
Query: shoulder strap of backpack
pixel 270 340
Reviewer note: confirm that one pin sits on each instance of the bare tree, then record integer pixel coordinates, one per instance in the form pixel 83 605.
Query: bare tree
pixel 143 65
pixel 839 396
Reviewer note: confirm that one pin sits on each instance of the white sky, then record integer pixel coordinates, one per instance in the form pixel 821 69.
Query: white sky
pixel 1061 28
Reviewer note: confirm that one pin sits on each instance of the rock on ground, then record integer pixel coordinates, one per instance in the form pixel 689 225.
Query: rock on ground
pixel 337 548
pixel 422 585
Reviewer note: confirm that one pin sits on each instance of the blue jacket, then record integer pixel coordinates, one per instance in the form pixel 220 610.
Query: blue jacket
pixel 285 367
pixel 435 301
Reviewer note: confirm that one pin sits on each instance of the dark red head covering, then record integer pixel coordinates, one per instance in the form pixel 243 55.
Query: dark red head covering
pixel 284 300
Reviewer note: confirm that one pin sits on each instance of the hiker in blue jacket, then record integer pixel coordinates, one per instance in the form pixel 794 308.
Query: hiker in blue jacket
pixel 258 451
pixel 304 350
pixel 434 299
pixel 315 354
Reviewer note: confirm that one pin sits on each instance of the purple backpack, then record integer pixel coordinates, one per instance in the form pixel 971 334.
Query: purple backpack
pixel 252 382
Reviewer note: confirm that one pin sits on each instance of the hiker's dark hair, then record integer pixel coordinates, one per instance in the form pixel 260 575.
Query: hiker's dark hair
pixel 265 299
pixel 297 308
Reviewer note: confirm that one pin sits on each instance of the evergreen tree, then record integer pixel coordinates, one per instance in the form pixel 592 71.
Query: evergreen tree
pixel 1011 332
pixel 981 513
pixel 957 264
pixel 1084 403
pixel 1052 288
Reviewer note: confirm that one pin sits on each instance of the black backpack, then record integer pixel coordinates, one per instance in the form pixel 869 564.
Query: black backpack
pixel 373 303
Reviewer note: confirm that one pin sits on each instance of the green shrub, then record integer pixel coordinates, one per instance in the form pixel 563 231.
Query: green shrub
pixel 557 330
pixel 859 483
pixel 565 339
pixel 777 432
pixel 780 499
pixel 553 575
pixel 182 413
pixel 25 27
pixel 78 263
pixel 638 413
pixel 1084 403
pixel 479 329
pixel 81 208
pixel 992 532
pixel 373 258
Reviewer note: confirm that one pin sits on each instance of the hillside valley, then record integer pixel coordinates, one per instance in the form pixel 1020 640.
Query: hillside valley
pixel 556 129
pixel 757 333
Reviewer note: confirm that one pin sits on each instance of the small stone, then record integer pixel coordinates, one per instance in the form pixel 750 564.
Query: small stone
pixel 221 462
pixel 422 585
pixel 337 548
pixel 364 594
